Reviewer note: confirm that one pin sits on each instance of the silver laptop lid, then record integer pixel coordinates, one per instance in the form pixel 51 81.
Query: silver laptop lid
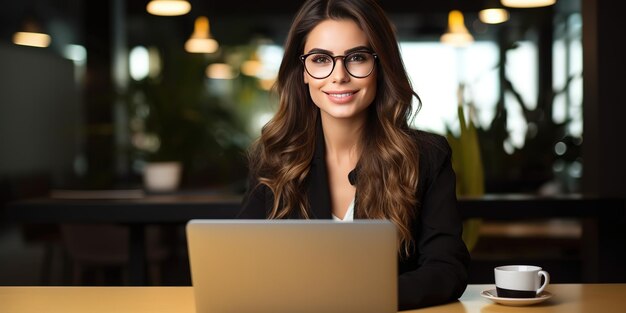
pixel 275 266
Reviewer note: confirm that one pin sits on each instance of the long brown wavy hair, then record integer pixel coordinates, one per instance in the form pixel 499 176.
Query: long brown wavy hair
pixel 388 171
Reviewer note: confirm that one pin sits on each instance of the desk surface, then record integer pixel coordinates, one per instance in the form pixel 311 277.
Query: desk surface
pixel 606 298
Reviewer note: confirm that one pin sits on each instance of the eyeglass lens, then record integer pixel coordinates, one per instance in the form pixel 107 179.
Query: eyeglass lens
pixel 321 65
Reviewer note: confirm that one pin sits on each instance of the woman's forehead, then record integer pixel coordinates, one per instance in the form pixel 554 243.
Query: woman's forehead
pixel 336 36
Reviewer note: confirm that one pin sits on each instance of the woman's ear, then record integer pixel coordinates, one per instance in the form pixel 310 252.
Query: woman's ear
pixel 306 77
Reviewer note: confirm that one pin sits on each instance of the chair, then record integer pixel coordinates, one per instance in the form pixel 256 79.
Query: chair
pixel 98 247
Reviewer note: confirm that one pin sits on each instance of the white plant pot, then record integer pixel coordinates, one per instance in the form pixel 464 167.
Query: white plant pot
pixel 162 176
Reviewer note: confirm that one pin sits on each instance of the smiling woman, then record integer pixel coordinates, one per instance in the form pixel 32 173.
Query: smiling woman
pixel 340 147
pixel 340 92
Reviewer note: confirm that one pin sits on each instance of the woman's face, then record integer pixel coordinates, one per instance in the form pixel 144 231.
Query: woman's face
pixel 340 95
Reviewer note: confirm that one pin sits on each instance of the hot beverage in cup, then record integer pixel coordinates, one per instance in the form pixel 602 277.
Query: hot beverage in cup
pixel 520 281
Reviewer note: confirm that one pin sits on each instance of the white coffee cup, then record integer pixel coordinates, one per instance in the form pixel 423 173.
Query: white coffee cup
pixel 520 281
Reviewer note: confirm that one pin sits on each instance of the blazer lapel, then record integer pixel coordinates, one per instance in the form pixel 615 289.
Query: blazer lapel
pixel 317 191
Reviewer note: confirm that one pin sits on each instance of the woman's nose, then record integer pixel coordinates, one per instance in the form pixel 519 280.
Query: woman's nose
pixel 339 73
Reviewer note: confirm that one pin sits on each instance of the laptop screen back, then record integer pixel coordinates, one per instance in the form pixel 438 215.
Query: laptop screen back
pixel 293 266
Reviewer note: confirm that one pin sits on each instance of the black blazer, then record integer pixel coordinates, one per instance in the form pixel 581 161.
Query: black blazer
pixel 436 271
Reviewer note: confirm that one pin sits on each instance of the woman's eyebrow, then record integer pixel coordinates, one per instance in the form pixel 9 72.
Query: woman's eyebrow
pixel 359 48
pixel 319 50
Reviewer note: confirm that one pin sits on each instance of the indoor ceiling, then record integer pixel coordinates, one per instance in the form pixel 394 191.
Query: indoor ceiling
pixel 281 7
pixel 236 19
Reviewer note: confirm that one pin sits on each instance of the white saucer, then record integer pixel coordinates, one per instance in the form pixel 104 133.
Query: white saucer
pixel 491 295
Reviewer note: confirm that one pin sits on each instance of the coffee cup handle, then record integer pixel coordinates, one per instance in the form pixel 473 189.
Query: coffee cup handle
pixel 546 281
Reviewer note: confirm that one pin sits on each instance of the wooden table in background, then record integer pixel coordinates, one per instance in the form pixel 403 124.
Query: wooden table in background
pixel 604 243
pixel 136 213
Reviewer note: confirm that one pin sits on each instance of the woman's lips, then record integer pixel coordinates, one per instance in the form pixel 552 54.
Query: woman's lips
pixel 340 97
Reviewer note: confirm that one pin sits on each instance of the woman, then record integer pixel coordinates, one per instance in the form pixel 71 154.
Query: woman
pixel 340 147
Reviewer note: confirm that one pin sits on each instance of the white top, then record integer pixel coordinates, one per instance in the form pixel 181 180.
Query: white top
pixel 349 217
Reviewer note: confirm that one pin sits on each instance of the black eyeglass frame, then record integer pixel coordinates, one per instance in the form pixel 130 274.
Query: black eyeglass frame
pixel 343 61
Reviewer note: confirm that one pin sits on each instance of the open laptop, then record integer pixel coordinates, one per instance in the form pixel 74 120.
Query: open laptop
pixel 293 266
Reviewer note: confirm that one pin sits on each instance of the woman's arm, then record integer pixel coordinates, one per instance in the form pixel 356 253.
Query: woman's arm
pixel 441 275
pixel 254 204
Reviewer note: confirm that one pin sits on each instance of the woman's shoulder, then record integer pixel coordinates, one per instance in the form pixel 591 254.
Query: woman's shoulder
pixel 435 155
pixel 431 146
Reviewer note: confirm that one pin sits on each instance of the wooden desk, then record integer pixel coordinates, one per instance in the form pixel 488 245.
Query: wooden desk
pixel 568 298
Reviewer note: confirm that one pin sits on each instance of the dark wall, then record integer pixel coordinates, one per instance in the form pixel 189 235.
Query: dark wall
pixel 39 112
pixel 604 151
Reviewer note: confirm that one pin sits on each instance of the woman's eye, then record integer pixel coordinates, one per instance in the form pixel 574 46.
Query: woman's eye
pixel 321 59
pixel 357 57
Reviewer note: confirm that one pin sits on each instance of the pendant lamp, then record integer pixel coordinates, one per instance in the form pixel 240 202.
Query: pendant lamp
pixel 168 7
pixel 201 40
pixel 493 13
pixel 527 3
pixel 457 34
pixel 31 35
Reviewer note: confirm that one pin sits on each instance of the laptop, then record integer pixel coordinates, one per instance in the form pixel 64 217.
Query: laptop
pixel 293 266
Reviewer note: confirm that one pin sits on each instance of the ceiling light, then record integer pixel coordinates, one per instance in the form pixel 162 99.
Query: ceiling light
pixel 457 34
pixel 200 40
pixel 251 67
pixel 168 7
pixel 39 40
pixel 493 15
pixel 31 35
pixel 527 3
pixel 220 71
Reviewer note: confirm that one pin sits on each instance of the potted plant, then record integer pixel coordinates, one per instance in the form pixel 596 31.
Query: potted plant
pixel 467 163
pixel 179 128
pixel 168 134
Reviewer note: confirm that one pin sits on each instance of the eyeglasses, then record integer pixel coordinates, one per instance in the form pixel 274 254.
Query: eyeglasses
pixel 358 64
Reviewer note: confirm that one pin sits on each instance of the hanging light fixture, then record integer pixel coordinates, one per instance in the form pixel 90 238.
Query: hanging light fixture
pixel 457 34
pixel 527 3
pixel 31 36
pixel 220 71
pixel 168 7
pixel 252 66
pixel 201 40
pixel 493 13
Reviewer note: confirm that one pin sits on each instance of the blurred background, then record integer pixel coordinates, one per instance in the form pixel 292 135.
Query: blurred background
pixel 117 87
pixel 93 92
